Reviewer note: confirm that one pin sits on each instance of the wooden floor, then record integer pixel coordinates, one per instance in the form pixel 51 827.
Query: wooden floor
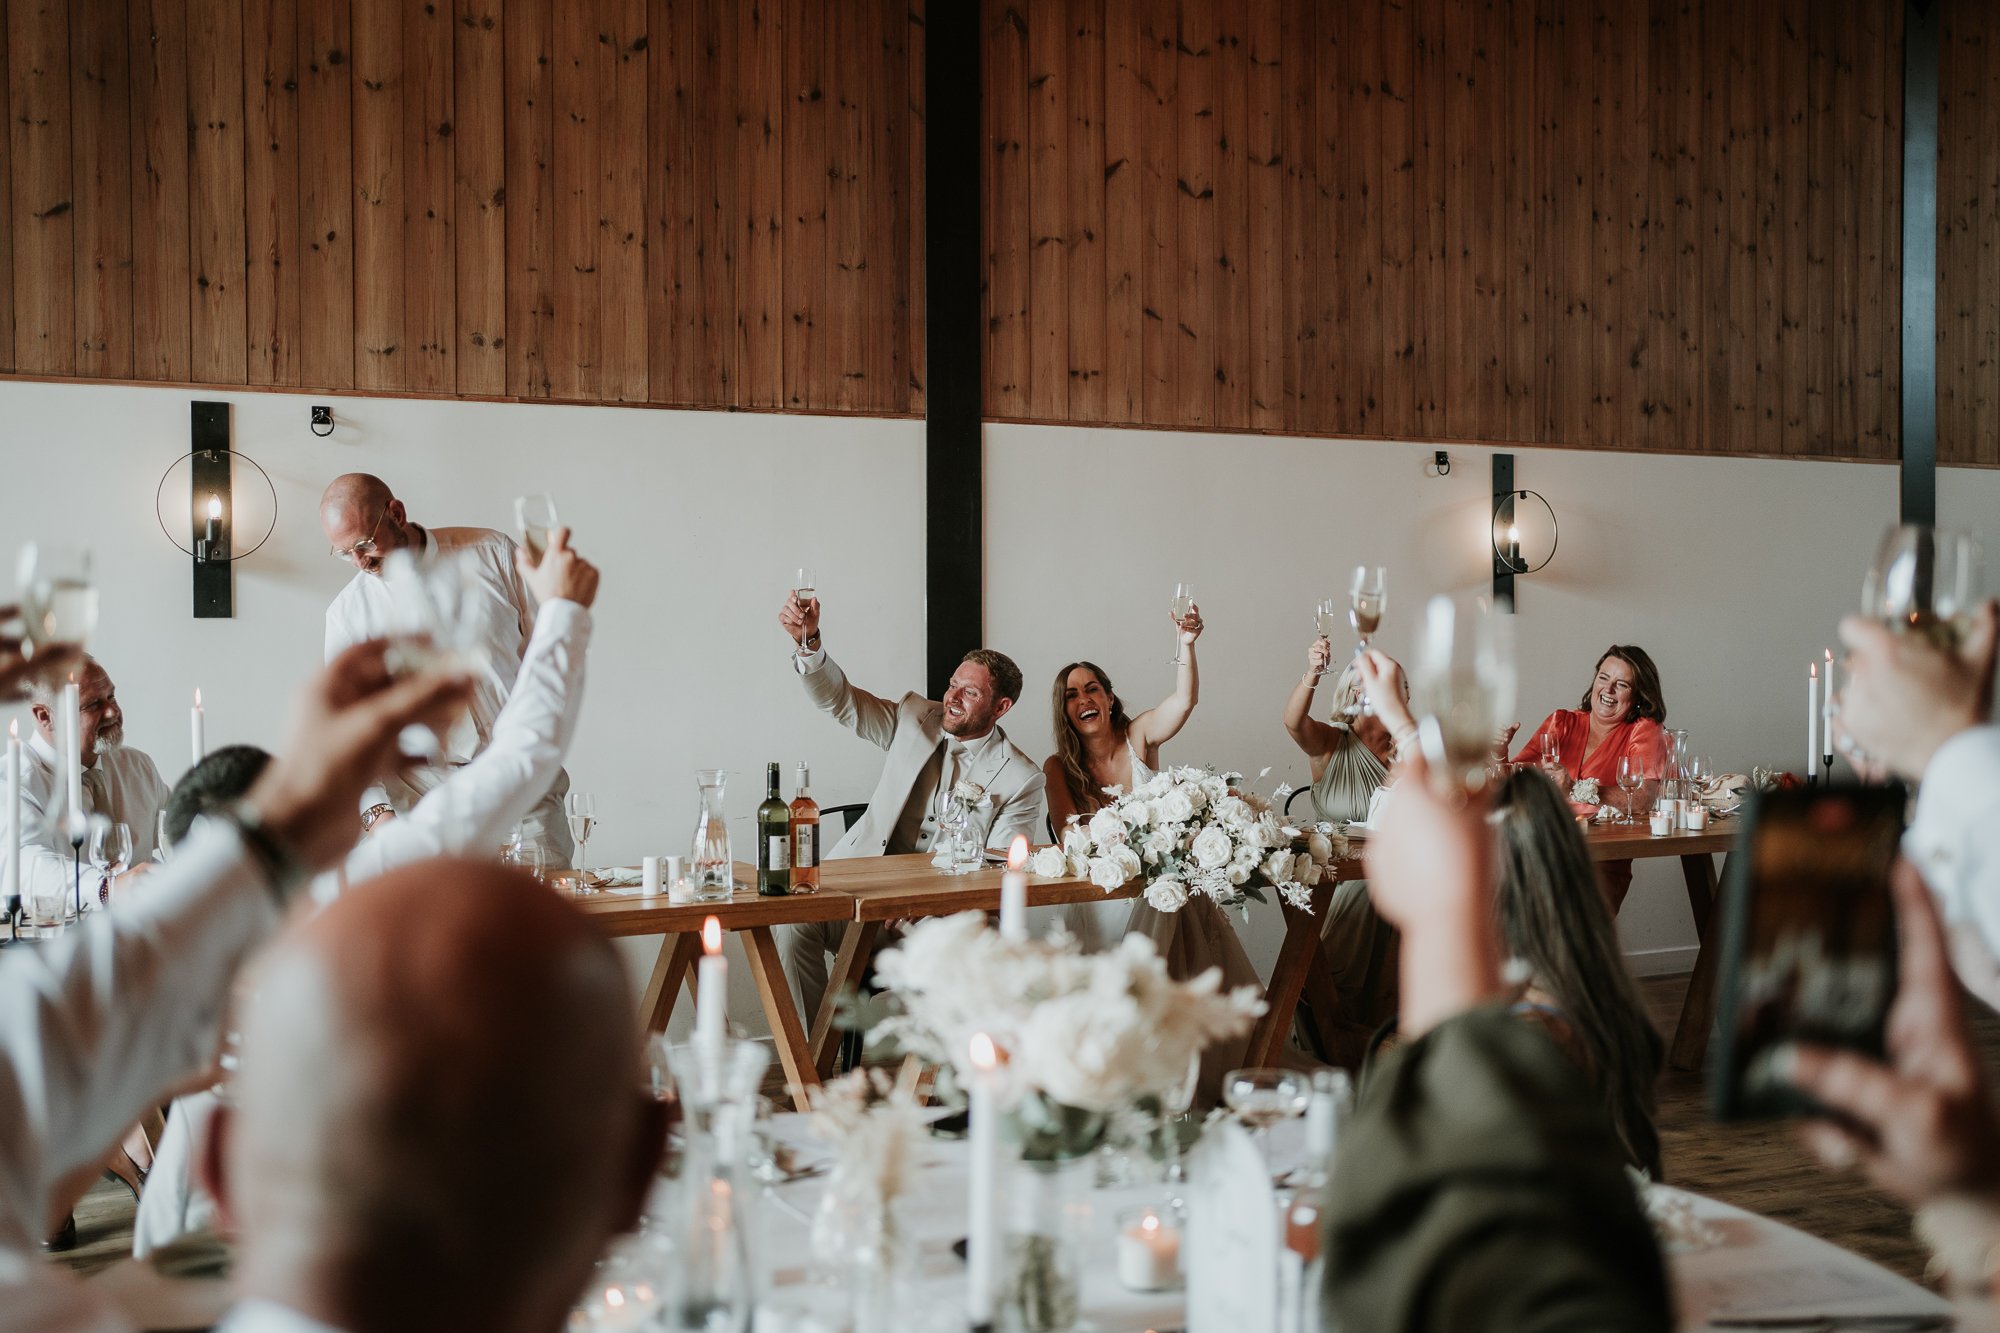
pixel 1758 1167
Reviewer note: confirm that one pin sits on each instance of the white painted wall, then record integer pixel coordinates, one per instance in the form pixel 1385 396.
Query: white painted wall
pixel 1730 572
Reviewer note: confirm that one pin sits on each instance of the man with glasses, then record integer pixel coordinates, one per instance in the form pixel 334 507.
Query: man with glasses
pixel 364 523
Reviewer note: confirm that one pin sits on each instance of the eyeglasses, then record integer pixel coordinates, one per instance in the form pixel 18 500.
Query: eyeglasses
pixel 364 547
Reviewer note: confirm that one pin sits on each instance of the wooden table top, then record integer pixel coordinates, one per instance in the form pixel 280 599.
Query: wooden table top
pixel 619 914
pixel 1608 842
pixel 888 888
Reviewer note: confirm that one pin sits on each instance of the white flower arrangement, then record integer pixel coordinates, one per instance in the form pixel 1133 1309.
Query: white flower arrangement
pixel 1086 1036
pixel 1191 831
pixel 1584 792
pixel 877 1129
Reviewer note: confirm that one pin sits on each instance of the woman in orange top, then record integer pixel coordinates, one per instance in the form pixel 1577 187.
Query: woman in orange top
pixel 1622 713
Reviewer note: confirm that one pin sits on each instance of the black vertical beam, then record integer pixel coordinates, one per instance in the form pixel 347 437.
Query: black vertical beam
pixel 214 594
pixel 1920 222
pixel 1503 508
pixel 954 381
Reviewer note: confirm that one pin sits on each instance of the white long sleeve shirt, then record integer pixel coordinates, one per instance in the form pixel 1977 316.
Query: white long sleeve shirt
pixel 1955 841
pixel 133 794
pixel 502 612
pixel 93 1028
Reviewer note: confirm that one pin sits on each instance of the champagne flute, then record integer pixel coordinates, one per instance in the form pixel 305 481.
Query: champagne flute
pixel 1262 1097
pixel 57 594
pixel 1631 777
pixel 535 518
pixel 1326 624
pixel 581 807
pixel 1367 599
pixel 1183 608
pixel 804 587
pixel 1924 581
pixel 1462 691
pixel 1551 751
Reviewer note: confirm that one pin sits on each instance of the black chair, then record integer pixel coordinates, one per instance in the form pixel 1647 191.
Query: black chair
pixel 1305 791
pixel 848 814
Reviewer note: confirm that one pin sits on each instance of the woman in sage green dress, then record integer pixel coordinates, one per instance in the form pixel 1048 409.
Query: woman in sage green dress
pixel 1349 754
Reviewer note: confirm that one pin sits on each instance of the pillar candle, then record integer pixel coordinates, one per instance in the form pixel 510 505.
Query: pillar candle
pixel 982 1221
pixel 1812 722
pixel 712 981
pixel 1014 892
pixel 10 887
pixel 197 729
pixel 72 721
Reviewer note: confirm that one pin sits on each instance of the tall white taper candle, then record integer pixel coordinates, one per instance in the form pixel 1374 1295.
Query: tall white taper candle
pixel 1812 721
pixel 712 981
pixel 982 1222
pixel 1014 892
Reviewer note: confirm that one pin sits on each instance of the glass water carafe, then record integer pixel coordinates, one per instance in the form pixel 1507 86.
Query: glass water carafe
pixel 1674 784
pixel 715 1280
pixel 710 865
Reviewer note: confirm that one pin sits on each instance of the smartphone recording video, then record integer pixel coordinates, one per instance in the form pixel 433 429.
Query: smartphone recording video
pixel 1809 939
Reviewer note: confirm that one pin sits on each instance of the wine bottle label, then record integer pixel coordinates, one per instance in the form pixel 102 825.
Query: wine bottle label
pixel 780 852
pixel 805 852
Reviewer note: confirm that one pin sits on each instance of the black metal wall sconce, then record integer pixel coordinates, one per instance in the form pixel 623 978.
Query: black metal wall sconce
pixel 1509 556
pixel 212 510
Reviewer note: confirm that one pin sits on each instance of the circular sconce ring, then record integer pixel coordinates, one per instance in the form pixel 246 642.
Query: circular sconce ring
pixel 160 491
pixel 1515 565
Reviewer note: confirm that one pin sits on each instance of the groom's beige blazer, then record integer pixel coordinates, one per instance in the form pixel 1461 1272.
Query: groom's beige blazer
pixel 910 731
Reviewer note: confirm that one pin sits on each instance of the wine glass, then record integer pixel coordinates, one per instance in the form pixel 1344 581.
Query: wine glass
pixel 57 594
pixel 1925 581
pixel 804 588
pixel 1326 623
pixel 110 853
pixel 1262 1097
pixel 1462 691
pixel 1698 772
pixel 1631 777
pixel 524 853
pixel 535 518
pixel 581 807
pixel 1183 608
pixel 163 843
pixel 1367 599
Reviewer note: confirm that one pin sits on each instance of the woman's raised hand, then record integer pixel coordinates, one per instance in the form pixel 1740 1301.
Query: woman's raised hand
pixel 1190 625
pixel 1319 655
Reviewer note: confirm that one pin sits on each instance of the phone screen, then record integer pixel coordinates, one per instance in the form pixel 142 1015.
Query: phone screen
pixel 1809 950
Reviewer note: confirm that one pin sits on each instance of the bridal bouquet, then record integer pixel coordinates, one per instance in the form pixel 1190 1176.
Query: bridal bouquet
pixel 1191 830
pixel 1086 1036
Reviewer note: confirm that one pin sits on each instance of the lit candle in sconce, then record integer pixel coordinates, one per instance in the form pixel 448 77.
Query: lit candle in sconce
pixel 712 982
pixel 1514 546
pixel 214 517
pixel 197 728
pixel 1014 892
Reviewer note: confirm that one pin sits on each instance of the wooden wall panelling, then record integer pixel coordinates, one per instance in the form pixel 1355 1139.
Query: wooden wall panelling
pixel 529 52
pixel 1881 230
pixel 760 201
pixel 1786 22
pixel 887 232
pixel 1159 204
pixel 673 259
pixel 273 317
pixel 1265 161
pixel 218 318
pixel 1125 93
pixel 622 152
pixel 1431 260
pixel 1190 302
pixel 1394 175
pixel 1234 353
pixel 161 278
pixel 1766 66
pixel 807 333
pixel 1333 369
pixel 1049 206
pixel 324 254
pixel 381 361
pixel 910 18
pixel 1727 173
pixel 850 341
pixel 722 220
pixel 1519 339
pixel 1565 96
pixel 1968 226
pixel 1299 205
pixel 479 195
pixel 6 206
pixel 100 104
pixel 581 69
pixel 1816 429
pixel 1618 208
pixel 43 202
pixel 1890 129
pixel 1004 77
pixel 1674 262
pixel 1843 246
pixel 1472 283
pixel 430 274
pixel 1083 164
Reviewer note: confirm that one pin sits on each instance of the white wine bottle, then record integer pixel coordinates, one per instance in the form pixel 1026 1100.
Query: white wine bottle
pixel 774 841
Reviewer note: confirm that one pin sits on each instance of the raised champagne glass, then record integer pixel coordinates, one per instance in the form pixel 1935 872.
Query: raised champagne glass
pixel 58 596
pixel 1183 608
pixel 1462 691
pixel 1924 581
pixel 535 518
pixel 1367 599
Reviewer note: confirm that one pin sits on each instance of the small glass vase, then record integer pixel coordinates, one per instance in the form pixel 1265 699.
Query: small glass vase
pixel 1048 1231
pixel 863 1249
pixel 715 1279
pixel 711 868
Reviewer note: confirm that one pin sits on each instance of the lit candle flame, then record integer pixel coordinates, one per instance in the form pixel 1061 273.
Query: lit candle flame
pixel 197 696
pixel 613 1298
pixel 984 1057
pixel 1017 854
pixel 214 505
pixel 14 729
pixel 1815 671
pixel 1149 1223
pixel 1514 533
pixel 711 937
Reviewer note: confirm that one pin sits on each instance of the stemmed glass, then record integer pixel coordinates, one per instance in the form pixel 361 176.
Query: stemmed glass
pixel 1367 599
pixel 432 625
pixel 1631 777
pixel 1698 772
pixel 804 588
pixel 110 853
pixel 581 807
pixel 1551 752
pixel 1183 608
pixel 58 596
pixel 535 518
pixel 1262 1097
pixel 1326 624
pixel 163 843
pixel 1462 691
pixel 1924 581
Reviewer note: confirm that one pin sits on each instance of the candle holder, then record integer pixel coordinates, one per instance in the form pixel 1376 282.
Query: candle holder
pixel 213 510
pixel 1149 1248
pixel 1511 555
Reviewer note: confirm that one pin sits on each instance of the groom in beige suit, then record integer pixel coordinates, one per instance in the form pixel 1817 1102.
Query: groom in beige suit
pixel 933 746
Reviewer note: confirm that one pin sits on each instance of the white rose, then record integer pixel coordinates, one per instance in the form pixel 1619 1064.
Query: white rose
pixel 1166 894
pixel 1177 806
pixel 1239 875
pixel 1126 859
pixel 1319 847
pixel 1049 863
pixel 1158 846
pixel 1106 827
pixel 1233 810
pixel 1278 868
pixel 1247 856
pixel 1308 871
pixel 1270 831
pixel 1079 866
pixel 1211 849
pixel 1135 813
pixel 1107 873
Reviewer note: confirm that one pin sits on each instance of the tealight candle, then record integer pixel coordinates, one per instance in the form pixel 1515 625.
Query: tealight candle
pixel 1697 816
pixel 649 876
pixel 1149 1251
pixel 1663 823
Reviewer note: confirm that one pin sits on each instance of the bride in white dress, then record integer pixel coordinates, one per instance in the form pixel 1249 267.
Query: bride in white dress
pixel 1097 747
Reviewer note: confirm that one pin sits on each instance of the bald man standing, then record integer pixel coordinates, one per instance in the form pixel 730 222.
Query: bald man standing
pixel 364 522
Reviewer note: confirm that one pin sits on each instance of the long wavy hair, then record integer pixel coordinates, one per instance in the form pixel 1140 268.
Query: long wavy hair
pixel 1553 916
pixel 1083 792
pixel 1648 700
